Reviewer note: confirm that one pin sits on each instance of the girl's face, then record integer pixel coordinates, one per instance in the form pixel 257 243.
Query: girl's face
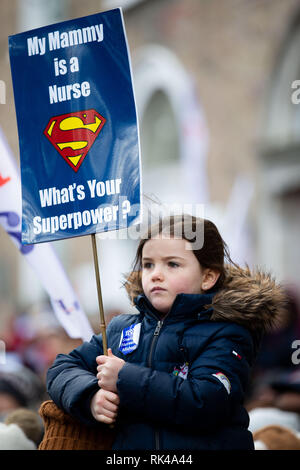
pixel 168 269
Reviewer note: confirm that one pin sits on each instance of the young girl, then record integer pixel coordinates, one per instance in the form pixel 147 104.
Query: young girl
pixel 176 373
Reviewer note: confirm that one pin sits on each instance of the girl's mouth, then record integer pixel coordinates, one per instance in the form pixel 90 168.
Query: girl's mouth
pixel 157 289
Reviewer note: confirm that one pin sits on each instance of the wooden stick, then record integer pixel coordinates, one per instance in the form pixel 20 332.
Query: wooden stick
pixel 101 309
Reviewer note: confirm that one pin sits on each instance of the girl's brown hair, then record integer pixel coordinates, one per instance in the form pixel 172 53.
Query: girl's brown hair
pixel 212 253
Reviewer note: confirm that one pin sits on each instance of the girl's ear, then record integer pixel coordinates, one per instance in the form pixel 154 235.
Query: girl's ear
pixel 210 277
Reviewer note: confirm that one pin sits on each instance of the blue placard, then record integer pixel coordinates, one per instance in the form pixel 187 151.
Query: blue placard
pixel 77 124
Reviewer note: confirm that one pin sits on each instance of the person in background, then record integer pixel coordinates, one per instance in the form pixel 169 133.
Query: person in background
pixel 20 387
pixel 12 437
pixel 30 423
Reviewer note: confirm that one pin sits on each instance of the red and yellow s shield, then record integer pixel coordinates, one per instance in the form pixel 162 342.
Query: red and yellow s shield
pixel 73 134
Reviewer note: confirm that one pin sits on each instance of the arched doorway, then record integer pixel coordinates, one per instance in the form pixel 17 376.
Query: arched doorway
pixel 174 135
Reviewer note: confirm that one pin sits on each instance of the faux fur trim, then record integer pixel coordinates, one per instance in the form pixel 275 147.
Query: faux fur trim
pixel 252 299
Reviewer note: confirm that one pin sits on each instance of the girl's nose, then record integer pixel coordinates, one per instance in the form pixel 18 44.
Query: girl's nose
pixel 157 274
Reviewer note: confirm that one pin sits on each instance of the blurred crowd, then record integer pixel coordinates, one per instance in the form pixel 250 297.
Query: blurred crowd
pixel 33 340
pixel 273 399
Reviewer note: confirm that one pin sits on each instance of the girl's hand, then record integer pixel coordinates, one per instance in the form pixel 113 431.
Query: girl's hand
pixel 108 370
pixel 104 406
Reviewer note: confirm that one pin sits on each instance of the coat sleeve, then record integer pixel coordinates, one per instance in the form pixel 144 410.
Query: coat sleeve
pixel 215 385
pixel 72 381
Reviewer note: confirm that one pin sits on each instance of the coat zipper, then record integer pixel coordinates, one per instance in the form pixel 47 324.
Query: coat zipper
pixel 154 340
pixel 155 337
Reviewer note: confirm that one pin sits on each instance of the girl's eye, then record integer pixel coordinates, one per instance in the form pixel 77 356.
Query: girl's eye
pixel 172 264
pixel 147 265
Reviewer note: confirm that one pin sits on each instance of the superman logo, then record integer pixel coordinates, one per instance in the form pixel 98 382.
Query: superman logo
pixel 73 134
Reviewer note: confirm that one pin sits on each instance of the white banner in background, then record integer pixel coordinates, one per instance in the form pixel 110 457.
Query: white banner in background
pixel 42 258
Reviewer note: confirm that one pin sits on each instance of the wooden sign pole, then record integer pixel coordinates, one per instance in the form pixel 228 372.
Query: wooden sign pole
pixel 101 309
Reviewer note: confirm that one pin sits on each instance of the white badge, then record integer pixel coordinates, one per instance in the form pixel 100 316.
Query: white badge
pixel 130 338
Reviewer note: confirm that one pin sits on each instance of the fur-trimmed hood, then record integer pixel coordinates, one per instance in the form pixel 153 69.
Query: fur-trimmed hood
pixel 252 299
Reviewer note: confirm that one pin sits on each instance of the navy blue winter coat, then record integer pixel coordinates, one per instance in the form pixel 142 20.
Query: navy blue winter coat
pixel 184 384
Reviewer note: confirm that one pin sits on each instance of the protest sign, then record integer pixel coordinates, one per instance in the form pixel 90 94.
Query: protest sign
pixel 78 133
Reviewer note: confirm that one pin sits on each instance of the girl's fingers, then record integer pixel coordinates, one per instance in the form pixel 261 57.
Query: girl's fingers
pixel 112 397
pixel 110 407
pixel 101 359
pixel 107 413
pixel 105 419
pixel 110 414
